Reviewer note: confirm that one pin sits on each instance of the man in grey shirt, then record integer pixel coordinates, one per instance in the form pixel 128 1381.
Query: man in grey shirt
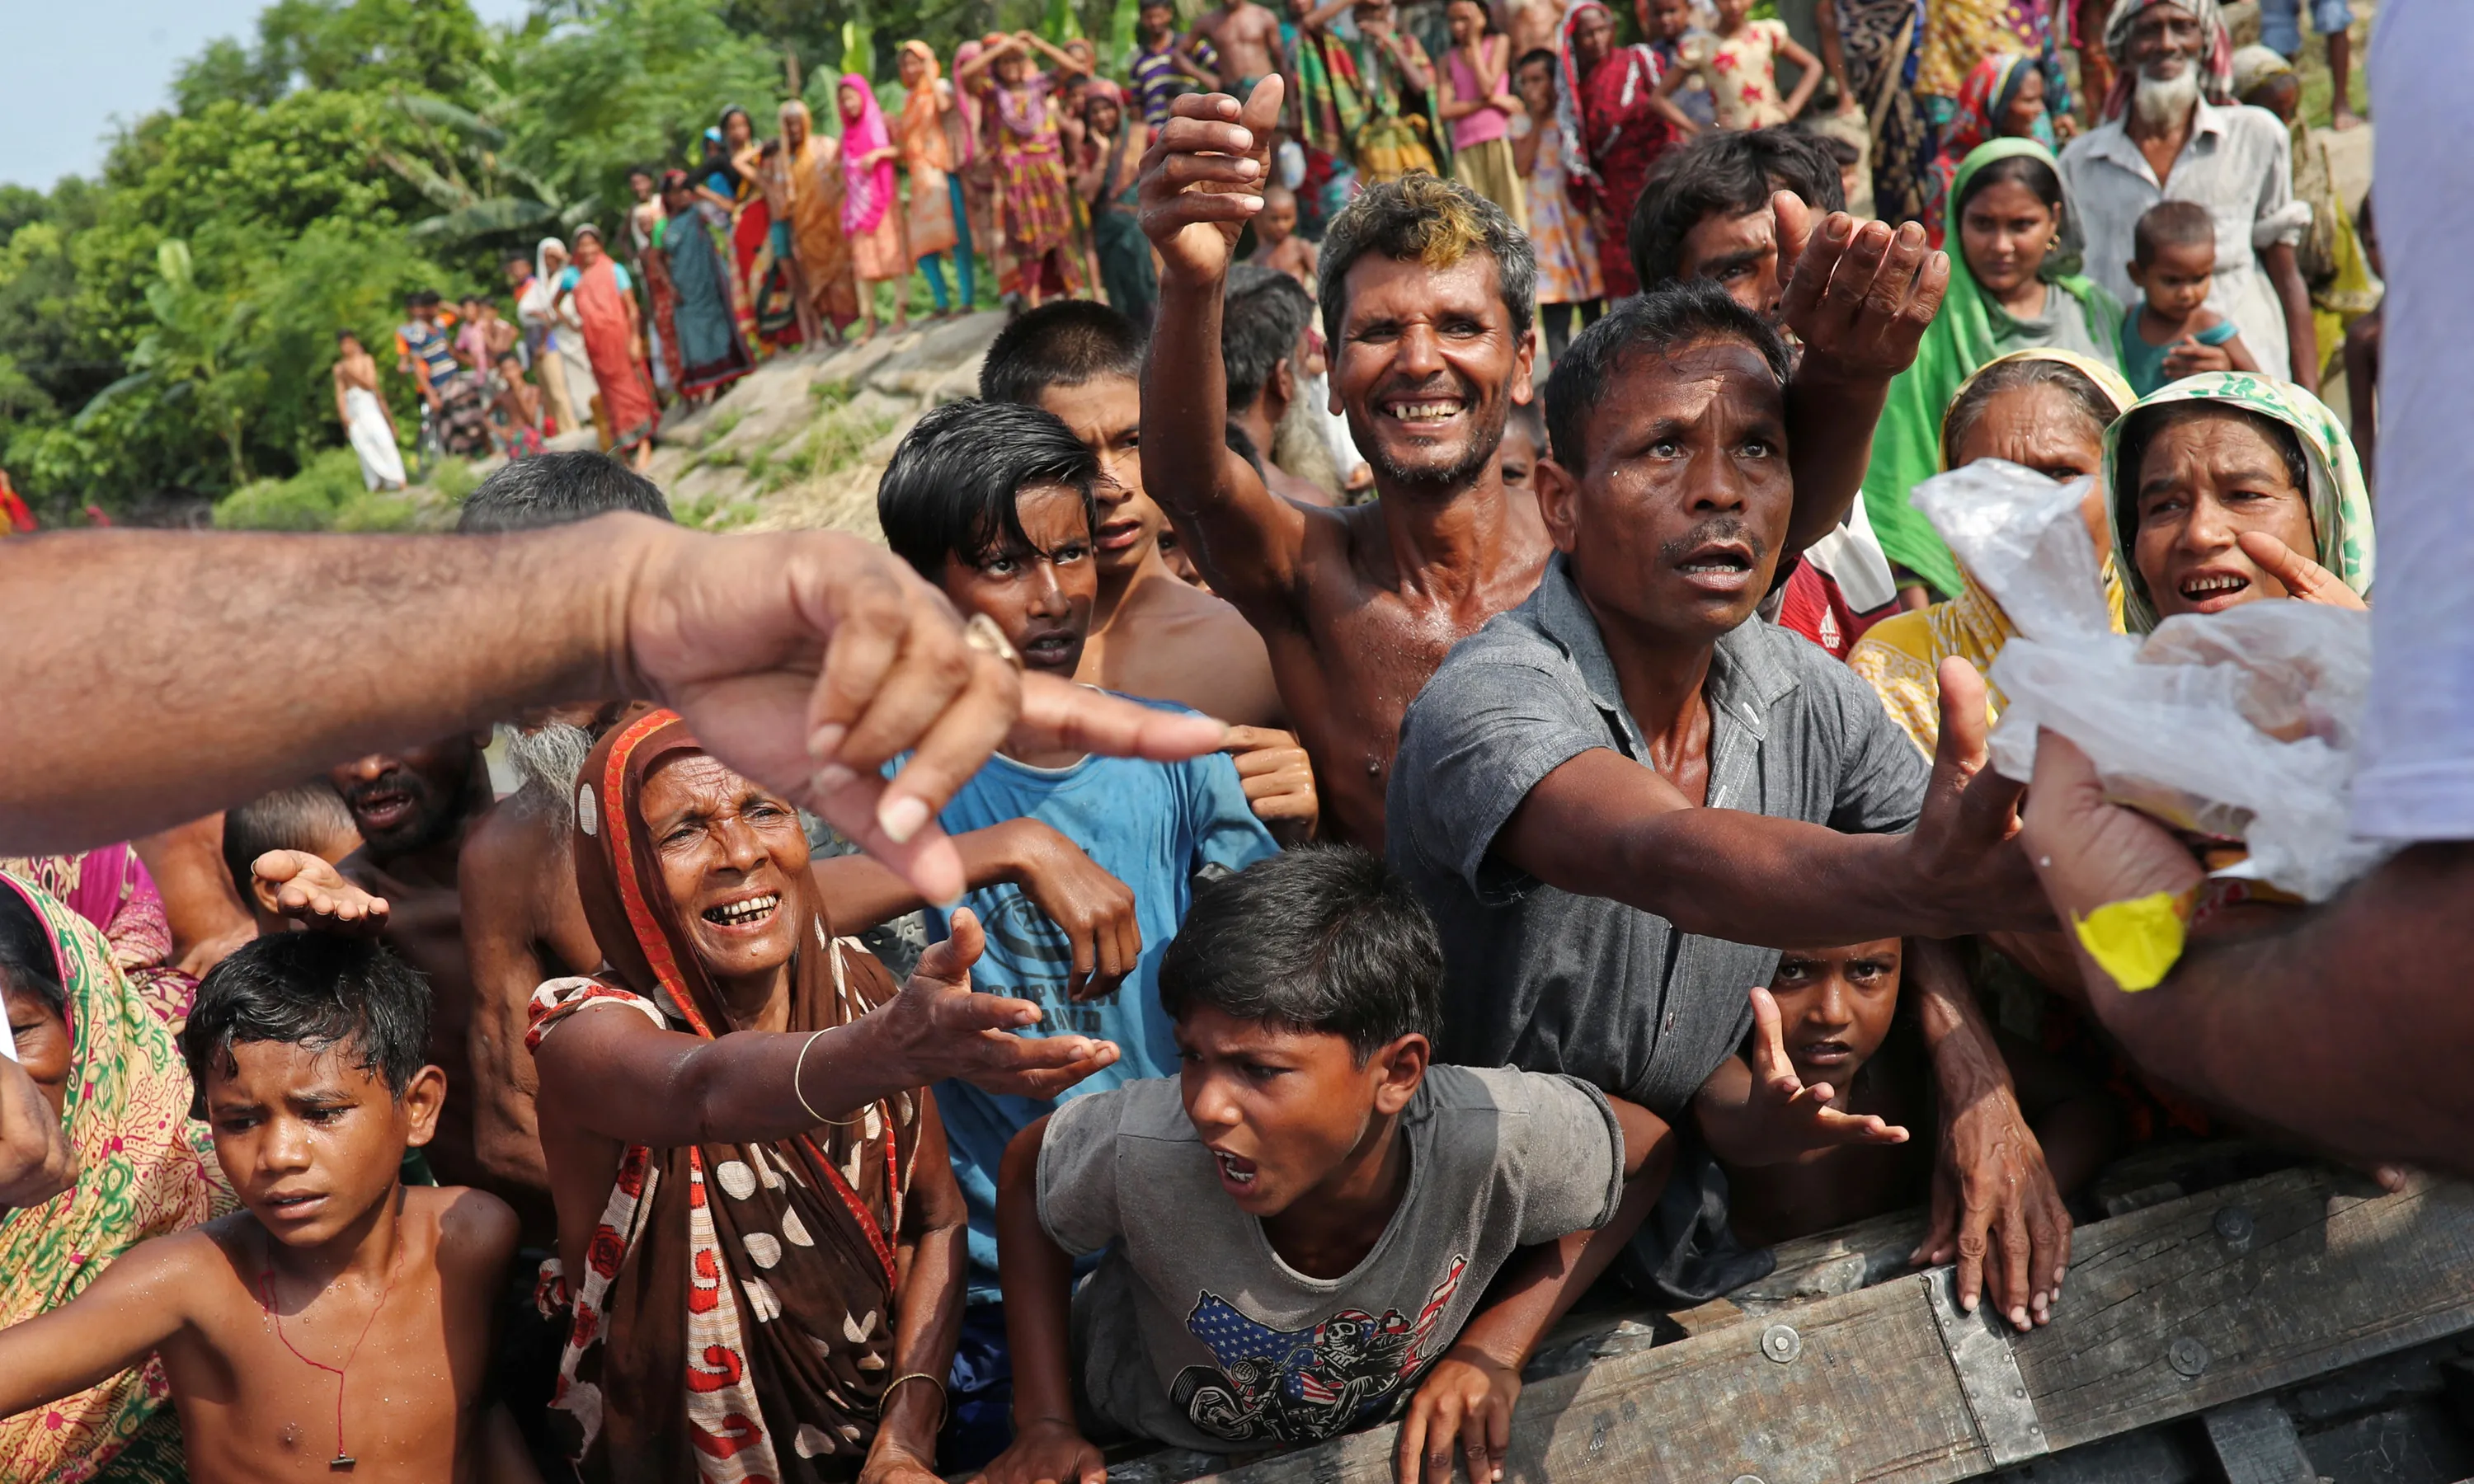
pixel 1608 794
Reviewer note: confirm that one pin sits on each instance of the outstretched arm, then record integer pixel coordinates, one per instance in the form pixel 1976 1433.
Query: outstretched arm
pixel 1201 184
pixel 122 1317
pixel 1048 1444
pixel 805 661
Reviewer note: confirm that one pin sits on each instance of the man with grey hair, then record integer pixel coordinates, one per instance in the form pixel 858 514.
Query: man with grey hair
pixel 1262 345
pixel 1428 291
pixel 2175 136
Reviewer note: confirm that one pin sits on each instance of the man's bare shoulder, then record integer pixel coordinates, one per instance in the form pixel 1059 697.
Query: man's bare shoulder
pixel 521 834
pixel 476 1231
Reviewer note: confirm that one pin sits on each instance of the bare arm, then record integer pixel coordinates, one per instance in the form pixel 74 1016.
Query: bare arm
pixel 207 916
pixel 1199 180
pixel 1833 55
pixel 1055 53
pixel 2293 295
pixel 140 1301
pixel 1047 1445
pixel 805 661
pixel 1805 85
pixel 2240 355
pixel 928 1308
pixel 502 903
pixel 2361 390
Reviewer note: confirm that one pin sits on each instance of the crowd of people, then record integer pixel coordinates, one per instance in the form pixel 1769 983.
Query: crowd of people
pixel 1209 964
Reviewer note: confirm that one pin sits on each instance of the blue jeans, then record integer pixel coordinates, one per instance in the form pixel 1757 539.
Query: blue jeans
pixel 2280 22
pixel 933 264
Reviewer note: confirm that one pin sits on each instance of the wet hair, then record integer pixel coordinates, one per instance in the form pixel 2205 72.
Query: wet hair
pixel 952 484
pixel 1263 314
pixel 1967 408
pixel 556 488
pixel 317 992
pixel 1426 219
pixel 2170 224
pixel 1321 937
pixel 1725 173
pixel 1675 314
pixel 301 818
pixel 29 963
pixel 1063 342
pixel 2140 426
pixel 2039 177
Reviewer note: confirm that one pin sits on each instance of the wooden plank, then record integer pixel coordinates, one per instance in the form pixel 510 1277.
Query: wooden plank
pixel 2256 1444
pixel 2307 1280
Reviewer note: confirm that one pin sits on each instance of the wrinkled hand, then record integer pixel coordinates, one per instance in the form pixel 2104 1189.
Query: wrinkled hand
pixel 1796 1119
pixel 1202 178
pixel 1860 294
pixel 2188 357
pixel 2303 577
pixel 1046 1451
pixel 1094 909
pixel 1467 1399
pixel 937 1028
pixel 890 1465
pixel 37 1160
pixel 1995 1212
pixel 2089 850
pixel 1279 778
pixel 1970 873
pixel 808 660
pixel 309 890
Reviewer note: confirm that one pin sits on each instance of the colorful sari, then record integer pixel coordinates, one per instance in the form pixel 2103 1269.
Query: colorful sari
pixel 1612 138
pixel 601 303
pixel 1900 656
pixel 811 180
pixel 735 1317
pixel 1984 97
pixel 1906 443
pixel 928 159
pixel 110 888
pixel 1033 201
pixel 145 1168
pixel 693 248
pixel 871 202
pixel 1124 254
pixel 1882 41
pixel 2340 504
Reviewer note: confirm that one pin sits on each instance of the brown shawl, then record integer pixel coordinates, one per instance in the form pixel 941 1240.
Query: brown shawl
pixel 734 1320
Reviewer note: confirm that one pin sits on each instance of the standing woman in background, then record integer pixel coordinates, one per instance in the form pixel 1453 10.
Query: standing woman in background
pixel 604 302
pixel 1113 143
pixel 572 370
pixel 1870 48
pixel 1477 103
pixel 934 146
pixel 811 186
pixel 872 205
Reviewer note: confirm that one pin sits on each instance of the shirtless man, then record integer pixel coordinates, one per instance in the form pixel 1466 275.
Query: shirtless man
pixel 1536 26
pixel 1427 293
pixel 1263 344
pixel 1248 40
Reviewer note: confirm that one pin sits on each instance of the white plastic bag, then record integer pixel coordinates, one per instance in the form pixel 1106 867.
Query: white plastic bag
pixel 2240 725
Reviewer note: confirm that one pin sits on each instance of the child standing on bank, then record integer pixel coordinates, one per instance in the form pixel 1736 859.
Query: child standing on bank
pixel 1737 62
pixel 2171 333
pixel 1276 243
pixel 339 1321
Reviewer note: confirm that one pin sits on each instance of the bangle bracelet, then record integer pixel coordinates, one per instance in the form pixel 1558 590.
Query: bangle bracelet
pixel 800 1066
pixel 944 1403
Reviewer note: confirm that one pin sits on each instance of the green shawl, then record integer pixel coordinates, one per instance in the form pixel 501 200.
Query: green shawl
pixel 2340 506
pixel 1906 443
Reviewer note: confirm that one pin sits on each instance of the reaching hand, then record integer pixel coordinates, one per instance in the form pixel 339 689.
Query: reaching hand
pixel 1467 1399
pixel 1277 776
pixel 1046 1451
pixel 1989 1181
pixel 807 660
pixel 937 1028
pixel 1970 873
pixel 2303 577
pixel 2089 850
pixel 1858 294
pixel 310 890
pixel 1789 1117
pixel 1094 909
pixel 1202 178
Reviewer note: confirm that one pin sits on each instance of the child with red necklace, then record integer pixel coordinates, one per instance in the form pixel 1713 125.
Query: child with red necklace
pixel 339 1322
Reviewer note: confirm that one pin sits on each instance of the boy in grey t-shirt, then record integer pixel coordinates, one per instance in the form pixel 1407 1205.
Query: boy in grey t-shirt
pixel 1300 1229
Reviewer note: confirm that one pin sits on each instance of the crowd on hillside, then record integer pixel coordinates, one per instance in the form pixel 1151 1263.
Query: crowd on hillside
pixel 1597 878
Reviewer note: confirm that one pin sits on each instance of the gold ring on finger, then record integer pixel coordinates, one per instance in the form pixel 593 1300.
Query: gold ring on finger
pixel 982 633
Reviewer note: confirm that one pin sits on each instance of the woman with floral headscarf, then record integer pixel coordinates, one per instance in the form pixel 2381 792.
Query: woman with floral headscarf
pixel 2003 98
pixel 936 145
pixel 871 203
pixel 2231 487
pixel 107 1065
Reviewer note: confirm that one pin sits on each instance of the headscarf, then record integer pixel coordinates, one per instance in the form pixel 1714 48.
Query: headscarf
pixel 2255 64
pixel 964 103
pixel 1577 164
pixel 2340 506
pixel 145 1168
pixel 112 888
pixel 1900 656
pixel 1906 443
pixel 868 189
pixel 754 1322
pixel 2215 50
pixel 923 123
pixel 1984 99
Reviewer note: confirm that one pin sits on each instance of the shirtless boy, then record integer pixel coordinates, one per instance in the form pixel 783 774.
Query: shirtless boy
pixel 1427 294
pixel 1276 243
pixel 1248 38
pixel 339 1321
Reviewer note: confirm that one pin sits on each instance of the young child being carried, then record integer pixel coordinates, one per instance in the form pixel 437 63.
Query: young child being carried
pixel 339 1321
pixel 2171 333
pixel 1276 243
pixel 1311 1228
pixel 1828 1031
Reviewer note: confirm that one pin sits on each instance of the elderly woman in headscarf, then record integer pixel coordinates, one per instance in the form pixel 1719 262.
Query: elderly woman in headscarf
pixel 2013 287
pixel 104 1062
pixel 936 144
pixel 1960 33
pixel 763 1256
pixel 1615 124
pixel 2046 410
pixel 2003 98
pixel 1112 149
pixel 871 203
pixel 558 345
pixel 2231 487
pixel 693 245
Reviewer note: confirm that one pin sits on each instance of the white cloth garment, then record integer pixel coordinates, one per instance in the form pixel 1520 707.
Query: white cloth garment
pixel 372 440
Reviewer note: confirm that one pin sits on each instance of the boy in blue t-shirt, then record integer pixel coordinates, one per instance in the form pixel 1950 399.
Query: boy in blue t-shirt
pixel 992 502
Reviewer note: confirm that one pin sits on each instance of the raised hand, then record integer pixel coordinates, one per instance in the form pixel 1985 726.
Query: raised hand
pixel 1792 1116
pixel 1858 294
pixel 1970 874
pixel 1094 909
pixel 937 1028
pixel 2301 577
pixel 309 890
pixel 1202 178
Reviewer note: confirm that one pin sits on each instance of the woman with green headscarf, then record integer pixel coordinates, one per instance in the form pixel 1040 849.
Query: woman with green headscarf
pixel 2010 289
pixel 2231 487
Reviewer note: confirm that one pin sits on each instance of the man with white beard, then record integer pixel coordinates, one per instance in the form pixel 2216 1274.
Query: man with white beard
pixel 2177 139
